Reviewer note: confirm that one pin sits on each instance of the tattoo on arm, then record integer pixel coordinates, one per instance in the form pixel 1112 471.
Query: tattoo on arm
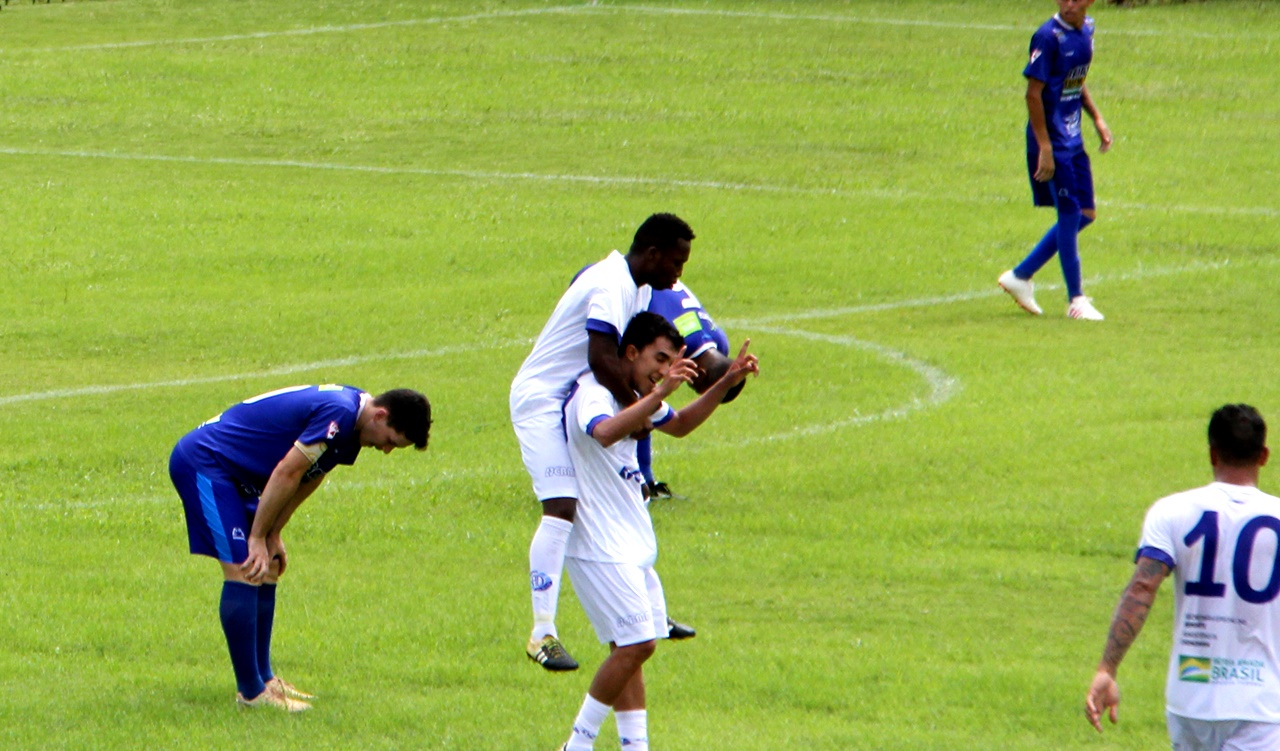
pixel 1131 613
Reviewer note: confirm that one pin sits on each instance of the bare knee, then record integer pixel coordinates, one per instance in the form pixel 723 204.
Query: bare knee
pixel 636 654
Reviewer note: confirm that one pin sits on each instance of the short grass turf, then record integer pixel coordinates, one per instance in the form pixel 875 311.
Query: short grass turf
pixel 909 532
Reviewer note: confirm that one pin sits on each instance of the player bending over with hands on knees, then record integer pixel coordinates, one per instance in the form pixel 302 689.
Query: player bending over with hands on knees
pixel 1220 541
pixel 241 476
pixel 612 548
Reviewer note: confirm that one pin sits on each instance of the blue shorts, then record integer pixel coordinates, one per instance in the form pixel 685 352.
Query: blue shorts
pixel 218 517
pixel 1072 178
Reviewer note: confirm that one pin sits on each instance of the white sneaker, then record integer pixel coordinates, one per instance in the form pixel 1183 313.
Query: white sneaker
pixel 1022 291
pixel 1082 307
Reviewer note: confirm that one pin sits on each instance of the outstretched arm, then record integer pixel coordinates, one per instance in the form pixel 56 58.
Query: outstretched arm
pixel 1126 624
pixel 696 412
pixel 636 417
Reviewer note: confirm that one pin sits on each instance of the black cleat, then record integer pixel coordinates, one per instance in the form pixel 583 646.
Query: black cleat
pixel 679 631
pixel 550 654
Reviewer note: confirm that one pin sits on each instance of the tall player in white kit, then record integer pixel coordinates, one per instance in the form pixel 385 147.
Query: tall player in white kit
pixel 612 549
pixel 581 336
pixel 1221 543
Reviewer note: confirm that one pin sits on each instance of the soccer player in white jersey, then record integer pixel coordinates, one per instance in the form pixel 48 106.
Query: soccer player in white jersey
pixel 1221 543
pixel 612 548
pixel 582 335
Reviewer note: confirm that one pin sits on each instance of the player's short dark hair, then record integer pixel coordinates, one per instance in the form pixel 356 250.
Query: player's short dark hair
pixel 661 231
pixel 409 413
pixel 1238 433
pixel 645 329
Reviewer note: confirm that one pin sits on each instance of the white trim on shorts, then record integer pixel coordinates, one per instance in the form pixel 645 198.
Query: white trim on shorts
pixel 546 455
pixel 1188 734
pixel 624 602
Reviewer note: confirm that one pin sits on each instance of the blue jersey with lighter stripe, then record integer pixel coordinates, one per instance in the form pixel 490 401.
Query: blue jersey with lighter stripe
pixel 679 306
pixel 249 439
pixel 1060 57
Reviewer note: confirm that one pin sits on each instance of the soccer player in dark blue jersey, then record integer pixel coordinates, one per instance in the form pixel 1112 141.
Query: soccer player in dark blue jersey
pixel 1061 176
pixel 241 476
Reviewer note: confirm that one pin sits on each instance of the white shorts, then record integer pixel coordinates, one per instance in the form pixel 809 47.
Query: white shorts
pixel 623 602
pixel 1187 734
pixel 546 455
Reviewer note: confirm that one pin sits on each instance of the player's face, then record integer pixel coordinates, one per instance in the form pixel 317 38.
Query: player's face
pixel 377 434
pixel 651 364
pixel 1072 11
pixel 669 265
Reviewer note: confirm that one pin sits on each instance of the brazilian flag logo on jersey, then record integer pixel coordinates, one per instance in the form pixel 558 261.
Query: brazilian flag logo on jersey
pixel 1194 669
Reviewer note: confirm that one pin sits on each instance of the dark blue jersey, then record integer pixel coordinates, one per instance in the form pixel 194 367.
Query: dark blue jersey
pixel 249 439
pixel 679 306
pixel 1060 57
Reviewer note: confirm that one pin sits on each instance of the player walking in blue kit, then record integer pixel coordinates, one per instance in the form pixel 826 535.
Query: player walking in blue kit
pixel 241 476
pixel 1061 175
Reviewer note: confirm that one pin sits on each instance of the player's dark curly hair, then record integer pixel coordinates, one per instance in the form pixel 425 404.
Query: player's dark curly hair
pixel 645 329
pixel 408 412
pixel 661 231
pixel 1238 433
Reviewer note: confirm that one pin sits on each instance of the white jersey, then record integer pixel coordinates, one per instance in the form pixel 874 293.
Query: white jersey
pixel 1222 542
pixel 612 523
pixel 603 298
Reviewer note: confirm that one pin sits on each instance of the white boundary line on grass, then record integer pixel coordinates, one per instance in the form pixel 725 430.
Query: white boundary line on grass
pixel 941 386
pixel 298 32
pixel 960 25
pixel 761 323
pixel 304 367
pixel 875 193
pixel 595 8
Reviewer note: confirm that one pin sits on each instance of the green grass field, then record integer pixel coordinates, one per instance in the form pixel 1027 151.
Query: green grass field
pixel 910 531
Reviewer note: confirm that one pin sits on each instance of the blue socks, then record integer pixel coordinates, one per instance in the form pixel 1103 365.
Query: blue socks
pixel 1062 240
pixel 266 617
pixel 644 456
pixel 239 613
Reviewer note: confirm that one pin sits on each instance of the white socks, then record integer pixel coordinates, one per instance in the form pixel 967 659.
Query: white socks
pixel 587 725
pixel 633 729
pixel 546 564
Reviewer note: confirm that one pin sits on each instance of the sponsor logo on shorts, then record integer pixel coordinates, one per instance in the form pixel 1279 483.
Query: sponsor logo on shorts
pixel 633 619
pixel 559 472
pixel 539 581
pixel 237 534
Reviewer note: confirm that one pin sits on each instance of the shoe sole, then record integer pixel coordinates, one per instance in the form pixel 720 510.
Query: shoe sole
pixel 1010 292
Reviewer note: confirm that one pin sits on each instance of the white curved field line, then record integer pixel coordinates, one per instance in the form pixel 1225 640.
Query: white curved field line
pixel 612 180
pixel 759 323
pixel 941 388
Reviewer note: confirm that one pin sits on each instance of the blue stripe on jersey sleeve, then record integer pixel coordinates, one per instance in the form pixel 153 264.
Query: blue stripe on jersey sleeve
pixel 593 422
pixel 1155 554
pixel 668 417
pixel 604 327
